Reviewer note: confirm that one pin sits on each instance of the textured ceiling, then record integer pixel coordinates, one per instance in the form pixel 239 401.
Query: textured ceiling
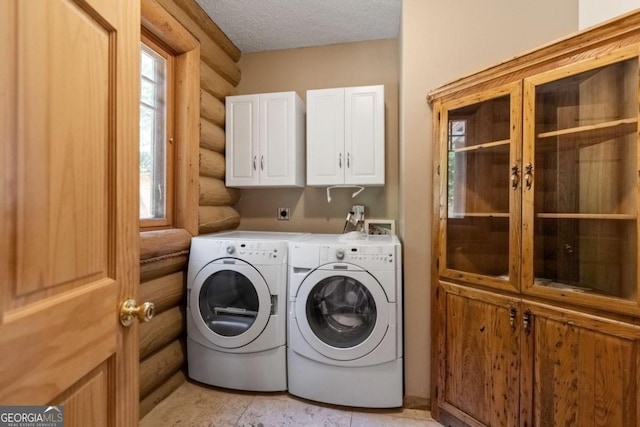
pixel 261 25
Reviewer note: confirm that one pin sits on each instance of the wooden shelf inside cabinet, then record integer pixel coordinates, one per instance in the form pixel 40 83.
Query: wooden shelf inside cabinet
pixel 585 216
pixel 461 215
pixel 485 145
pixel 549 283
pixel 606 129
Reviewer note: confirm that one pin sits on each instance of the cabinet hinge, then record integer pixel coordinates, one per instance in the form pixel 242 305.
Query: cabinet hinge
pixel 437 292
pixel 438 170
pixel 438 263
pixel 439 115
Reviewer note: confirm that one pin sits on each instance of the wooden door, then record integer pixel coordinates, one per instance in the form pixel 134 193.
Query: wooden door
pixel 580 157
pixel 578 369
pixel 478 369
pixel 69 90
pixel 478 178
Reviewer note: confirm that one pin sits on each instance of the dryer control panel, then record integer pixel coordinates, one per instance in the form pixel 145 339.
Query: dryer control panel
pixel 255 252
pixel 368 257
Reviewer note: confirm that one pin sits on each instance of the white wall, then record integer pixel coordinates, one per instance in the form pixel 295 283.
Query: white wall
pixel 592 12
pixel 440 42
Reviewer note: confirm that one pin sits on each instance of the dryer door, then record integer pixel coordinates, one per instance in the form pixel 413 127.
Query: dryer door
pixel 343 314
pixel 230 303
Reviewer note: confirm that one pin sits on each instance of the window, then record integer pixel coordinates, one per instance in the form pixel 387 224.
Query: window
pixel 457 134
pixel 457 167
pixel 156 135
pixel 168 38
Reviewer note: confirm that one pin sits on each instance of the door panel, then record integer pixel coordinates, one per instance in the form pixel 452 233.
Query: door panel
pixel 62 157
pixel 583 370
pixel 479 198
pixel 85 402
pixel 364 135
pixel 326 160
pixel 242 138
pixel 479 377
pixel 69 95
pixel 276 138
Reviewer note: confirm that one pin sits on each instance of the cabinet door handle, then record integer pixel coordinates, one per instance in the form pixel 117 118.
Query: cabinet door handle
pixel 340 160
pixel 528 176
pixel 261 163
pixel 514 177
pixel 254 162
pixel 348 160
pixel 512 317
pixel 526 322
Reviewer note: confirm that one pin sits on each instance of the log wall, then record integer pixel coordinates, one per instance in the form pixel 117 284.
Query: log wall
pixel 163 262
pixel 164 254
pixel 219 76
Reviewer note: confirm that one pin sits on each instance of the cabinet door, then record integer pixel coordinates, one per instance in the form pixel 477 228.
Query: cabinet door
pixel 364 135
pixel 477 368
pixel 578 370
pixel 280 123
pixel 580 192
pixel 326 160
pixel 479 182
pixel 242 141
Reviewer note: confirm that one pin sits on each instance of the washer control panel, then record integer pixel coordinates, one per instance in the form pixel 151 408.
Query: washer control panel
pixel 255 251
pixel 368 257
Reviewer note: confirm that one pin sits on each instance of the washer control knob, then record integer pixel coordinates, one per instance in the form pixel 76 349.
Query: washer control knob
pixel 230 249
pixel 340 254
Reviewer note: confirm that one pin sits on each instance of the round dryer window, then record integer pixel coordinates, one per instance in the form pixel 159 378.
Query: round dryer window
pixel 233 302
pixel 342 315
pixel 341 311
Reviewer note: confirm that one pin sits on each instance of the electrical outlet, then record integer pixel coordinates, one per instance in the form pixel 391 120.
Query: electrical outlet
pixel 283 214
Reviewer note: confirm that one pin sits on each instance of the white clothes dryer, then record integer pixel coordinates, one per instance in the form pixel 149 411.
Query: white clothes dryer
pixel 345 320
pixel 236 310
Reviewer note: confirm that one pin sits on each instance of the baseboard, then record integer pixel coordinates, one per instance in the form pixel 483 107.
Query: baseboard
pixel 416 402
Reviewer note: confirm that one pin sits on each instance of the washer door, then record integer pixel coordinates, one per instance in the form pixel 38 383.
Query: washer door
pixel 230 302
pixel 342 314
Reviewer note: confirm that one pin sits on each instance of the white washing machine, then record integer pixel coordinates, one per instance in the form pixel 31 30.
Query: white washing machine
pixel 345 320
pixel 237 309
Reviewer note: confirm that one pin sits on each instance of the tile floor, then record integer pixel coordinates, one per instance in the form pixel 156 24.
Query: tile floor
pixel 194 405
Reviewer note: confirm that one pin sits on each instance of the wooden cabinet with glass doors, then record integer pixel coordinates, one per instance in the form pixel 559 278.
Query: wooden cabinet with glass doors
pixel 536 304
pixel 581 182
pixel 479 208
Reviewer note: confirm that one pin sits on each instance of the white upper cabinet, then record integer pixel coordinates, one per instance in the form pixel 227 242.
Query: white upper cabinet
pixel 345 136
pixel 265 140
pixel 325 137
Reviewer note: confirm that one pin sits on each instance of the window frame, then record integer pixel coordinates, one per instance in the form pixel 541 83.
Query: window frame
pixel 169 124
pixel 158 23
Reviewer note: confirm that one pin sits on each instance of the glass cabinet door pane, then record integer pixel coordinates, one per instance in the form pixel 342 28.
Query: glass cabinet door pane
pixel 586 181
pixel 477 227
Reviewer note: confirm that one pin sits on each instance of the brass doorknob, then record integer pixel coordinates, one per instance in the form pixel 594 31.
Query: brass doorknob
pixel 130 310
